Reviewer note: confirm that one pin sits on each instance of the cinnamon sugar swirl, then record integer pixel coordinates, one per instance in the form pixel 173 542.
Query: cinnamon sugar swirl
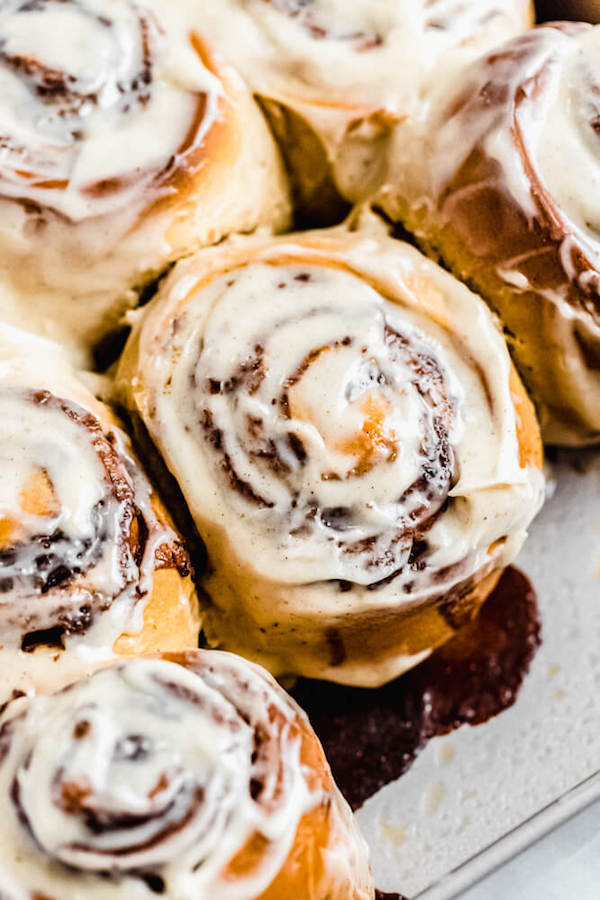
pixel 352 441
pixel 335 76
pixel 193 776
pixel 503 184
pixel 123 146
pixel 90 566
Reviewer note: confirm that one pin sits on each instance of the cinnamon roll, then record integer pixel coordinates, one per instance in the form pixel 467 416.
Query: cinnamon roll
pixel 90 565
pixel 502 186
pixel 334 76
pixel 191 776
pixel 125 144
pixel 353 443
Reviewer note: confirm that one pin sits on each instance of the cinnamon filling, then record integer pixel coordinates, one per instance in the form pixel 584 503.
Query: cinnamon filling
pixel 53 572
pixel 370 443
pixel 304 11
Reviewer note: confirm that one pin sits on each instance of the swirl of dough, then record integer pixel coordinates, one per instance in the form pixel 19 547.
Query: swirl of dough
pixel 487 186
pixel 464 17
pixel 121 142
pixel 187 776
pixel 84 544
pixel 347 438
pixel 326 444
pixel 76 112
pixel 71 529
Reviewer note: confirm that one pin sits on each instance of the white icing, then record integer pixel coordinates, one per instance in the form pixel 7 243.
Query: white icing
pixel 134 84
pixel 369 52
pixel 121 146
pixel 566 132
pixel 54 431
pixel 122 114
pixel 289 532
pixel 172 749
pixel 350 71
pixel 549 77
pixel 331 407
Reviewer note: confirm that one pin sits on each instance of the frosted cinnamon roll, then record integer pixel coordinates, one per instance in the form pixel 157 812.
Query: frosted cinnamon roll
pixel 356 449
pixel 90 565
pixel 125 145
pixel 503 188
pixel 334 76
pixel 192 776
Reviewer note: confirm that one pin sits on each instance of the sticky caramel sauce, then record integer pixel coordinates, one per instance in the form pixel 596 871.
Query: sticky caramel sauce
pixel 371 737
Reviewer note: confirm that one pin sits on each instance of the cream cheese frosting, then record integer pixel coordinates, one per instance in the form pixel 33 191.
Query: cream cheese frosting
pixel 568 129
pixel 111 131
pixel 155 777
pixel 79 535
pixel 354 54
pixel 350 70
pixel 338 413
pixel 90 117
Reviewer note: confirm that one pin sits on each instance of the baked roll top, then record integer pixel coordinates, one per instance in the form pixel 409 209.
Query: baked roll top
pixel 334 76
pixel 353 443
pixel 191 777
pixel 331 51
pixel 124 145
pixel 502 185
pixel 89 561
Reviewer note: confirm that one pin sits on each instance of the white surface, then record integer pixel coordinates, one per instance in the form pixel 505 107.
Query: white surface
pixel 470 788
